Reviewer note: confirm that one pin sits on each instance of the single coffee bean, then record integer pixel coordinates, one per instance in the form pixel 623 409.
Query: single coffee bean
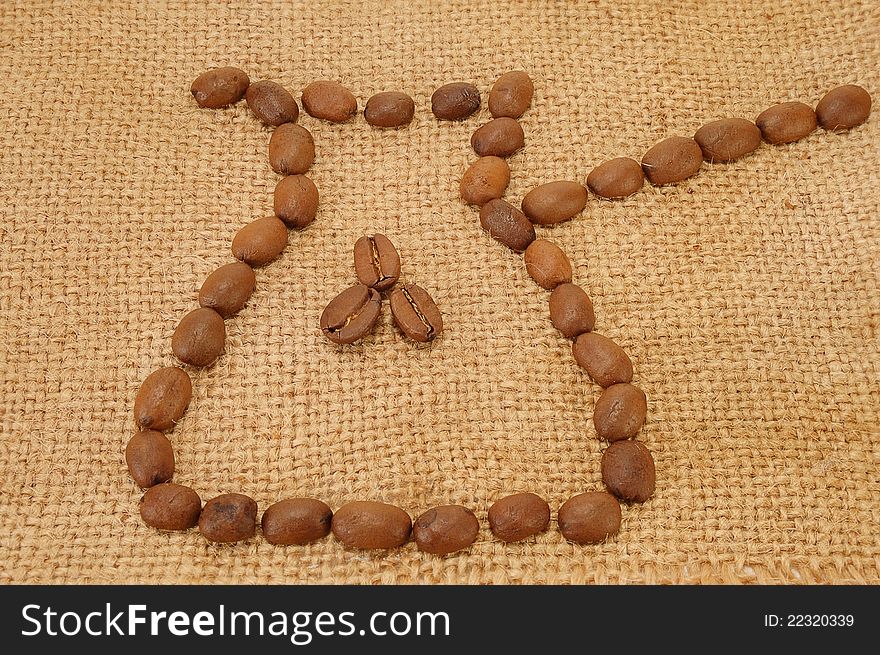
pixel 620 412
pixel 199 338
pixel 170 506
pixel 728 139
pixel 369 525
pixel 220 87
pixel 376 262
pixel 228 289
pixel 571 310
pixel 416 313
pixel 351 315
pixel 617 178
pixel 628 471
pixel 500 137
pixel 519 517
pixel 589 518
pixel 296 201
pixel 329 101
pixel 296 521
pixel 486 179
pixel 511 95
pixel 228 518
pixel 163 398
pixel 672 160
pixel 271 103
pixel 150 458
pixel 554 202
pixel 786 122
pixel 602 359
pixel 455 101
pixel 389 109
pixel 446 529
pixel 507 224
pixel 291 149
pixel 844 107
pixel 547 264
pixel 260 241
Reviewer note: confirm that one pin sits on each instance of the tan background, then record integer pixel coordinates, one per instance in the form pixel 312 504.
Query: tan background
pixel 747 296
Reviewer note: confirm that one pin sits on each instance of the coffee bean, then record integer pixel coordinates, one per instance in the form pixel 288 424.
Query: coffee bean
pixel 296 201
pixel 291 149
pixel 507 224
pixel 369 525
pixel 376 262
pixel 228 288
pixel 786 122
pixel 260 241
pixel 329 101
pixel 554 202
pixel 727 139
pixel 416 313
pixel 446 529
pixel 351 315
pixel 519 517
pixel 844 107
pixel 150 458
pixel 199 338
pixel 672 160
pixel 602 359
pixel 589 518
pixel 296 521
pixel 617 178
pixel 455 101
pixel 500 137
pixel 163 398
pixel 389 109
pixel 571 310
pixel 486 179
pixel 228 518
pixel 620 412
pixel 271 103
pixel 220 87
pixel 547 264
pixel 628 471
pixel 170 506
pixel 511 95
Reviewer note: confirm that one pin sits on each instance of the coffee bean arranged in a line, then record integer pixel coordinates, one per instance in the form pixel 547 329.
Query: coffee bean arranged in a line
pixel 291 149
pixel 507 224
pixel 571 310
pixel 150 458
pixel 170 506
pixel 786 122
pixel 228 289
pixel 455 101
pixel 843 108
pixel 370 525
pixel 199 338
pixel 672 160
pixel 547 264
pixel 271 103
pixel 351 315
pixel 416 313
pixel 500 137
pixel 228 518
pixel 162 398
pixel 260 242
pixel 296 521
pixel 620 412
pixel 518 517
pixel 589 518
pixel 604 361
pixel 486 179
pixel 376 262
pixel 511 95
pixel 296 201
pixel 727 139
pixel 628 471
pixel 329 101
pixel 617 178
pixel 389 109
pixel 446 529
pixel 220 87
pixel 554 202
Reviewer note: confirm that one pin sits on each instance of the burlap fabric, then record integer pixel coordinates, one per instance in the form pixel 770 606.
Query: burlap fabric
pixel 747 296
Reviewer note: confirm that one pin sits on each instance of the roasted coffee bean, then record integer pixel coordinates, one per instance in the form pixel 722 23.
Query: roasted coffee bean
pixel 620 412
pixel 163 398
pixel 571 310
pixel 200 337
pixel 455 101
pixel 511 95
pixel 589 518
pixel 485 180
pixel 296 201
pixel 389 109
pixel 228 518
pixel 500 137
pixel 507 224
pixel 554 202
pixel 271 103
pixel 786 122
pixel 617 178
pixel 351 315
pixel 672 160
pixel 844 107
pixel 416 313
pixel 519 517
pixel 296 521
pixel 150 458
pixel 291 149
pixel 227 289
pixel 220 87
pixel 329 101
pixel 446 529
pixel 728 139
pixel 604 361
pixel 368 525
pixel 376 262
pixel 547 264
pixel 170 506
pixel 260 241
pixel 628 471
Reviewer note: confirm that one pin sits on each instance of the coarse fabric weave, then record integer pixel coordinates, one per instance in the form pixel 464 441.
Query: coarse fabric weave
pixel 746 296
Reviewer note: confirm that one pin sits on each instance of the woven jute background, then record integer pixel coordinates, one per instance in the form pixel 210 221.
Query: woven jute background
pixel 746 296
